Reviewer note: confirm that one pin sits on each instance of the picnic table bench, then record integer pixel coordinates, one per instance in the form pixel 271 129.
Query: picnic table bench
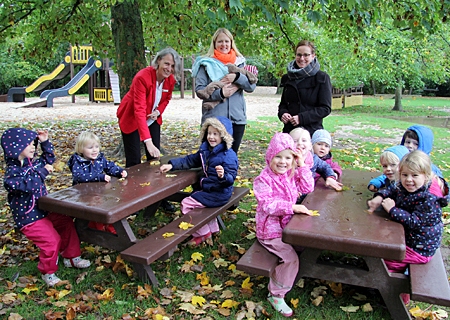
pixel 344 225
pixel 113 202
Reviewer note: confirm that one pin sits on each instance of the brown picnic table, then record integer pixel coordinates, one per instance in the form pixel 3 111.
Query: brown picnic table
pixel 345 226
pixel 115 201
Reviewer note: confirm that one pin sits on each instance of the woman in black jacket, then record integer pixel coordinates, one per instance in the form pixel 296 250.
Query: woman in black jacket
pixel 306 97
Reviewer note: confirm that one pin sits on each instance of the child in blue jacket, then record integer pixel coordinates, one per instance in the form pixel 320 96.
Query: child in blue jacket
pixel 88 164
pixel 219 165
pixel 25 182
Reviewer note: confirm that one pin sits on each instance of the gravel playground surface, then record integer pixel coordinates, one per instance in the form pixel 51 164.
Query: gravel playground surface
pixel 263 102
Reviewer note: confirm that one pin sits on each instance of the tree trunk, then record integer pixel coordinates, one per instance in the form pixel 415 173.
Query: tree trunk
pixel 128 38
pixel 374 88
pixel 279 89
pixel 398 98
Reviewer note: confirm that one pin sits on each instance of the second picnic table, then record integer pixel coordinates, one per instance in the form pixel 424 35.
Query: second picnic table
pixel 346 226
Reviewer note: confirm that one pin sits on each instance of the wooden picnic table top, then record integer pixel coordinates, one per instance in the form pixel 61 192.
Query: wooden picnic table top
pixel 110 202
pixel 344 223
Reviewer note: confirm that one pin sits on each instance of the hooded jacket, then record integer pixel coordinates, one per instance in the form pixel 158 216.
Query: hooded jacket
pixel 382 181
pixel 276 193
pixel 425 143
pixel 85 170
pixel 215 191
pixel 420 213
pixel 25 181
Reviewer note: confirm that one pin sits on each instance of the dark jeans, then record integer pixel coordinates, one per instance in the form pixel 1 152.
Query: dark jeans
pixel 132 144
pixel 238 133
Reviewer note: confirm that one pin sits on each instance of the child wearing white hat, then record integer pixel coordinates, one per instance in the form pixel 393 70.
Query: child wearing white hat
pixel 322 143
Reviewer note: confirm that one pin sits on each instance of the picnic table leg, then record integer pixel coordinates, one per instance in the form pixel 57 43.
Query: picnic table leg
pixel 149 212
pixel 390 285
pixel 124 238
pixel 145 273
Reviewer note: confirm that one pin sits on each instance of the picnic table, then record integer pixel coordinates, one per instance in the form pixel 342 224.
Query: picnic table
pixel 346 226
pixel 114 202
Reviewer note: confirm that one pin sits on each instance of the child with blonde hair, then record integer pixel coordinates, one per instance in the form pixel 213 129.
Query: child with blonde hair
pixel 409 202
pixel 302 139
pixel 88 164
pixel 24 180
pixel 276 189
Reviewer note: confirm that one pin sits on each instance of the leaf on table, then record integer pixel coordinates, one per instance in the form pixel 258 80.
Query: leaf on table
pixel 315 213
pixel 168 235
pixel 170 175
pixel 155 163
pixel 144 184
pixel 185 225
pixel 196 256
pixel 344 188
pixel 350 308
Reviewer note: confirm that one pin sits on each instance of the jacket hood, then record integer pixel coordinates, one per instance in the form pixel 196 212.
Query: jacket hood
pixel 15 140
pixel 278 143
pixel 425 136
pixel 223 125
pixel 400 151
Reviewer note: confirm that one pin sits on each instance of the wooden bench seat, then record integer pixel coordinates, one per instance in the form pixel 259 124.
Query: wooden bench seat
pixel 429 282
pixel 257 260
pixel 156 246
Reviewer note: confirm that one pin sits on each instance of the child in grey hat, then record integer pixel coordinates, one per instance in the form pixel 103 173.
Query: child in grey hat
pixel 322 143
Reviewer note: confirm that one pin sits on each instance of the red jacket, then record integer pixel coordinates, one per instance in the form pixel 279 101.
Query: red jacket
pixel 138 102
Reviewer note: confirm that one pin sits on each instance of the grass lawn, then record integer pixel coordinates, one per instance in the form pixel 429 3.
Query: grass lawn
pixel 205 286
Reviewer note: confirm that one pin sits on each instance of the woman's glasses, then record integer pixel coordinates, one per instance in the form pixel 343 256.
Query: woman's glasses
pixel 304 55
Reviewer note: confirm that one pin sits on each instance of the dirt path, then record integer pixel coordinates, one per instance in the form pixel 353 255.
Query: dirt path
pixel 263 102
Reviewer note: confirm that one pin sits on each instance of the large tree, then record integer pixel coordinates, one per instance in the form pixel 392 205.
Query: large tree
pixel 264 27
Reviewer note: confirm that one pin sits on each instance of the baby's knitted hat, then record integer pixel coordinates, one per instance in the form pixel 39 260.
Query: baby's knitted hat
pixel 321 135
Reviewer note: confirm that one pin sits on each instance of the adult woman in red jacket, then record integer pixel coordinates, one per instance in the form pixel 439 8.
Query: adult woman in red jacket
pixel 140 112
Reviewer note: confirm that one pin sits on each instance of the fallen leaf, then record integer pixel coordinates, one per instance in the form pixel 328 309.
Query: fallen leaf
pixel 185 225
pixel 247 284
pixel 189 307
pixel 367 308
pixel 315 213
pixel 229 304
pixel 350 308
pixel 155 163
pixel 197 300
pixel 170 175
pixel 196 256
pixel 168 235
pixel 359 297
pixel 294 302
pixel 144 184
pixel 317 301
pixel 220 263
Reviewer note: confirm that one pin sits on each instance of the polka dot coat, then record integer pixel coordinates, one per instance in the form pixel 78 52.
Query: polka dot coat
pixel 420 213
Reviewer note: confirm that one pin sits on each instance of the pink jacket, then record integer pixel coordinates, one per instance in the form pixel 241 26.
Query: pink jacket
pixel 277 193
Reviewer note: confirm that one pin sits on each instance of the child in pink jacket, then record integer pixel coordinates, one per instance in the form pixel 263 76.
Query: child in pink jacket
pixel 276 190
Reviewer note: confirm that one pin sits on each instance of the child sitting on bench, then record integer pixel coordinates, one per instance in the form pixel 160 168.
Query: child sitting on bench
pixel 276 190
pixel 219 165
pixel 88 164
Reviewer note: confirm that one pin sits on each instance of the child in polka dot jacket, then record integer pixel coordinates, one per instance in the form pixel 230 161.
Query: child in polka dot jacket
pixel 25 182
pixel 410 203
pixel 88 164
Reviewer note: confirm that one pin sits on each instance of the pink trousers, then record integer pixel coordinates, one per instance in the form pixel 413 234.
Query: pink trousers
pixel 53 234
pixel 189 204
pixel 283 277
pixel 411 257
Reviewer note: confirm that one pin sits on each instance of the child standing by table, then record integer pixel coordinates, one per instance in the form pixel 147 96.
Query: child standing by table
pixel 88 164
pixel 321 142
pixel 410 203
pixel 25 183
pixel 276 190
pixel 219 165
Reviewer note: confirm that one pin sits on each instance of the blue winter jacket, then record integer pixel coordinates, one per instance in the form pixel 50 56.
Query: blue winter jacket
pixel 84 170
pixel 215 191
pixel 25 181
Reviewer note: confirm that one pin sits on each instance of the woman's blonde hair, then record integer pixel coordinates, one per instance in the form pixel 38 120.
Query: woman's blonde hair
pixel 214 38
pixel 418 162
pixel 83 139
